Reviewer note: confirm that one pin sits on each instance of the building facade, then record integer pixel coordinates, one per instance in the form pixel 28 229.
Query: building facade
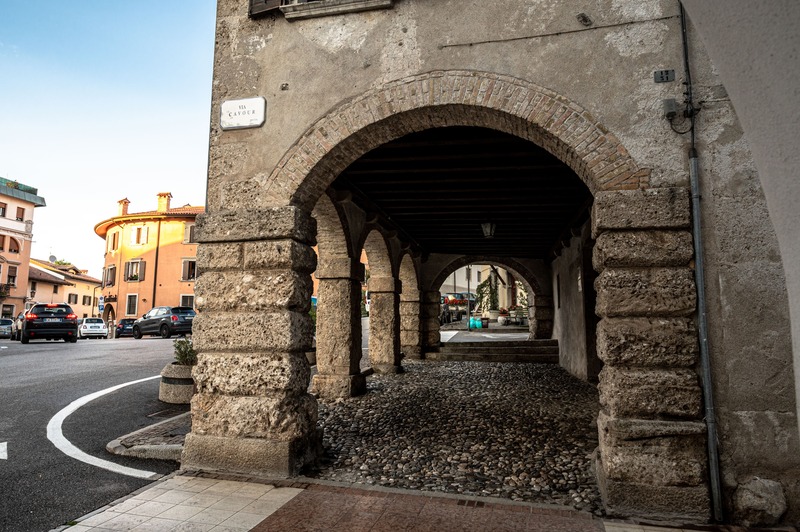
pixel 17 203
pixel 150 259
pixel 53 282
pixel 635 218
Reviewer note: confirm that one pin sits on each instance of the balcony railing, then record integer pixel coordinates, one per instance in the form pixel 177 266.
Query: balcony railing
pixel 300 9
pixel 5 289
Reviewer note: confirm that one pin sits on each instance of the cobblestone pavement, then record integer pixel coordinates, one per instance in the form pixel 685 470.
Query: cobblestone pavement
pixel 523 432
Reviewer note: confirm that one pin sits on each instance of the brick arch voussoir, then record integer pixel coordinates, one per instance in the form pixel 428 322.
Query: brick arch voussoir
pixel 455 97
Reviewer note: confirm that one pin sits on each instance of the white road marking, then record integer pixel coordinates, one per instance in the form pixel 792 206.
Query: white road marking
pixel 55 435
pixel 3 451
pixel 447 335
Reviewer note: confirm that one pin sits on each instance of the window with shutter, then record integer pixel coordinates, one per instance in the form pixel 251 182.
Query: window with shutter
pixel 139 235
pixel 189 270
pixel 111 276
pixel 188 234
pixel 134 270
pixel 131 304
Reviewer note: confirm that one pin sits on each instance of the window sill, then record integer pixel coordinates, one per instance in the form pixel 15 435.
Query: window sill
pixel 326 8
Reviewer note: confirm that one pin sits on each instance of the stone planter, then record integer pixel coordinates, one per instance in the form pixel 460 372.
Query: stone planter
pixel 177 385
pixel 502 320
pixel 494 314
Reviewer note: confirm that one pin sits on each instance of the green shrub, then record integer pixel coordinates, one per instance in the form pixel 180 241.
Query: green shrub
pixel 185 354
pixel 313 314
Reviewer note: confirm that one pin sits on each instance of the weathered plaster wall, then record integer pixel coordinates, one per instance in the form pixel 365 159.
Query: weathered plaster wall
pixel 569 325
pixel 751 45
pixel 306 68
pixel 571 286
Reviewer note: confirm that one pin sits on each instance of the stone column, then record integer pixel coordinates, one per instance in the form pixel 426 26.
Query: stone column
pixel 252 413
pixel 431 308
pixel 410 324
pixel 652 454
pixel 339 330
pixel 541 317
pixel 384 325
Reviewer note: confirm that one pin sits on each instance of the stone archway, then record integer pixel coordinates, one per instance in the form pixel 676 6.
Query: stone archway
pixel 384 289
pixel 410 309
pixel 651 415
pixel 338 307
pixel 533 276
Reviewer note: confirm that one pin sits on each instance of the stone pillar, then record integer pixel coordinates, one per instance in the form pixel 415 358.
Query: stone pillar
pixel 431 308
pixel 541 317
pixel 339 330
pixel 652 455
pixel 384 325
pixel 252 413
pixel 410 324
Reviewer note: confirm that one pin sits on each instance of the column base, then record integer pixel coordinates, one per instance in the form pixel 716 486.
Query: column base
pixel 661 503
pixel 387 369
pixel 412 351
pixel 251 456
pixel 338 386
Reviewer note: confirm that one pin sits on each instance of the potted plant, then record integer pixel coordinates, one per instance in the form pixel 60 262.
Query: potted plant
pixel 177 385
pixel 502 319
pixel 487 297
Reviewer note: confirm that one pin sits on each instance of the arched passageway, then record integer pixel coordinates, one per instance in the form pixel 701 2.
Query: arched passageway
pixel 338 332
pixel 539 162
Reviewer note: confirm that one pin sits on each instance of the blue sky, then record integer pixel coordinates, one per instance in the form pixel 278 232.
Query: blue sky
pixel 102 100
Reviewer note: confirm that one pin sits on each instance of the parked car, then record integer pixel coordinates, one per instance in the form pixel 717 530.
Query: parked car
pixel 6 328
pixel 124 327
pixel 165 321
pixel 92 328
pixel 50 321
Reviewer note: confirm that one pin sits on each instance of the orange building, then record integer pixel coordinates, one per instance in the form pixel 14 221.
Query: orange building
pixel 150 259
pixel 17 202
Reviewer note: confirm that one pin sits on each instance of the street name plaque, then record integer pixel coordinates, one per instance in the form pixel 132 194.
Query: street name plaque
pixel 242 114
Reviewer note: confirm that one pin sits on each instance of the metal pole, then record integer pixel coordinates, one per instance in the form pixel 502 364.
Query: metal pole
pixel 469 275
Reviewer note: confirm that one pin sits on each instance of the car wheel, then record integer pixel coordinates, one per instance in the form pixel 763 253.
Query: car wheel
pixel 72 339
pixel 165 331
pixel 137 333
pixel 24 339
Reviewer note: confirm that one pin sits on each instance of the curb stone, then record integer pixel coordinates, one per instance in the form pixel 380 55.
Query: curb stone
pixel 158 451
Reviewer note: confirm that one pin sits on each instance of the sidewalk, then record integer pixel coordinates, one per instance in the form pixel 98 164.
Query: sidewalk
pixel 193 501
pixel 198 501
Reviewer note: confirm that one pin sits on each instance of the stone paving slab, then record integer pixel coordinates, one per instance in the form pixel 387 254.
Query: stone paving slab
pixel 327 508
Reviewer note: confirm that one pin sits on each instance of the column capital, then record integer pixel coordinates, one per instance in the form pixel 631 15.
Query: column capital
pixel 340 268
pixel 384 284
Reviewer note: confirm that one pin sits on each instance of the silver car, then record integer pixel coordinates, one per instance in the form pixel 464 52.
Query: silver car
pixel 6 328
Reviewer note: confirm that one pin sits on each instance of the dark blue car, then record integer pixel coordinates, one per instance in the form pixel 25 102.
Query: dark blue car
pixel 124 327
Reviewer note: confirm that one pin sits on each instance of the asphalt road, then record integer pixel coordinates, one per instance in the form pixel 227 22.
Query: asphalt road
pixel 40 486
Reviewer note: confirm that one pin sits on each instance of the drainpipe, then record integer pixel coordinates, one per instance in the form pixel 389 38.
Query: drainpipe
pixel 155 266
pixel 699 273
